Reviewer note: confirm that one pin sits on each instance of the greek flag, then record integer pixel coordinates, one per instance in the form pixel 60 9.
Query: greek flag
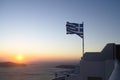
pixel 75 28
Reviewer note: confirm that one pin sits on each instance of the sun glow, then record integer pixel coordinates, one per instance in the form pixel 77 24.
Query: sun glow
pixel 19 58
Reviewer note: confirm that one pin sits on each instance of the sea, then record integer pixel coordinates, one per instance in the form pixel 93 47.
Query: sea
pixel 29 72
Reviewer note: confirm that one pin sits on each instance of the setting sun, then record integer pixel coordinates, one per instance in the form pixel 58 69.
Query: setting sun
pixel 19 58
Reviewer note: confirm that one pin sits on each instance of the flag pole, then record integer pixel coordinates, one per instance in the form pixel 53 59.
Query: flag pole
pixel 83 39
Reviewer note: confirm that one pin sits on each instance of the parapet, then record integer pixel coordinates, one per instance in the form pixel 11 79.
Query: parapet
pixel 110 52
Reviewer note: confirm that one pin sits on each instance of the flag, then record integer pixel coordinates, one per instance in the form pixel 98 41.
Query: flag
pixel 75 28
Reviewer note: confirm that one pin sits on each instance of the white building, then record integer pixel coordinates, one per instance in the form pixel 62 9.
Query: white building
pixel 99 65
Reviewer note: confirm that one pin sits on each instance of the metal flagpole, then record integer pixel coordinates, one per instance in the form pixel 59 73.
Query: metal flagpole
pixel 83 38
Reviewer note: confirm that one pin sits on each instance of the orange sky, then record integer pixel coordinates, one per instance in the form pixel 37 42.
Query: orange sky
pixel 30 57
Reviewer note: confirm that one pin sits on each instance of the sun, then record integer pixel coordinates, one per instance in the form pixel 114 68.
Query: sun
pixel 20 58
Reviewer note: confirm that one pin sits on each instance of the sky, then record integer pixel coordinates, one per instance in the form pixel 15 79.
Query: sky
pixel 36 28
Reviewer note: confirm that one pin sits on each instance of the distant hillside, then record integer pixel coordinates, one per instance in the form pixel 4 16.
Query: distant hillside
pixel 11 64
pixel 66 66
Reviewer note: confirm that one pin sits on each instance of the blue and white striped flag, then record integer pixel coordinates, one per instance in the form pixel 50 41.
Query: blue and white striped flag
pixel 75 28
